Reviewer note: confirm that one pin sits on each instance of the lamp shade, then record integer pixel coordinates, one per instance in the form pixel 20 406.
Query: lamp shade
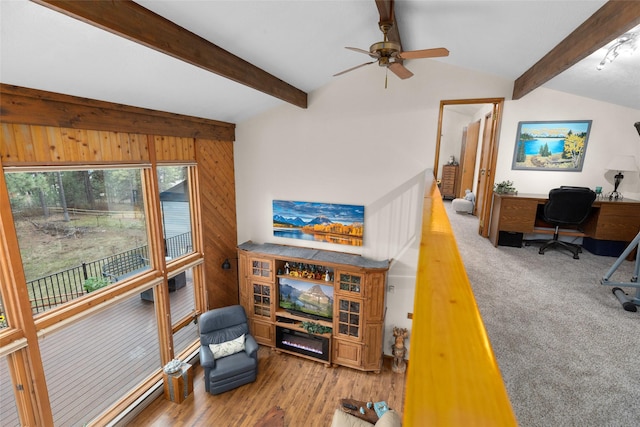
pixel 623 163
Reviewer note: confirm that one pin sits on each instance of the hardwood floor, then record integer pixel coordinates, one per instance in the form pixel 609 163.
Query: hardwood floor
pixel 307 391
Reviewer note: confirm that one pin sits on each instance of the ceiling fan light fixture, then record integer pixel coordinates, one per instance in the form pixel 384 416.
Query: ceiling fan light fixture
pixel 384 49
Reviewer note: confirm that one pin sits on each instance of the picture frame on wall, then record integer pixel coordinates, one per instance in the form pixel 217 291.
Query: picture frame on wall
pixel 551 145
pixel 320 222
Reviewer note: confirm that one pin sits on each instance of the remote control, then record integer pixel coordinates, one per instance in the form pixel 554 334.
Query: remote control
pixel 350 406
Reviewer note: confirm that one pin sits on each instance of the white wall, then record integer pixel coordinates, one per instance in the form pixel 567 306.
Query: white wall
pixel 357 143
pixel 354 144
pixel 612 132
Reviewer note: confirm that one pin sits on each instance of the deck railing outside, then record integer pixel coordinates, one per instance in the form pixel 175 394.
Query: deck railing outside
pixel 57 288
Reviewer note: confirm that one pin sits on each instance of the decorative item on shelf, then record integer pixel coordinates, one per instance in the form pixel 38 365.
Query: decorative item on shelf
pixel 399 350
pixel 172 367
pixel 620 163
pixel 598 192
pixel 315 328
pixel 505 187
pixel 452 160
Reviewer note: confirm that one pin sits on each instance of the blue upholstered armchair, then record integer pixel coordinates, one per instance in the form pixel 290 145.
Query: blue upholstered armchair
pixel 228 353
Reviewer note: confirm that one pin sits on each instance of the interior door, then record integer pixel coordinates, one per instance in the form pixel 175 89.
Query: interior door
pixel 488 164
pixel 488 157
pixel 468 156
pixel 484 172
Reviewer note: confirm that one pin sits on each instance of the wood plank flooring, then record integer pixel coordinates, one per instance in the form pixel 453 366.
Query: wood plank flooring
pixel 307 391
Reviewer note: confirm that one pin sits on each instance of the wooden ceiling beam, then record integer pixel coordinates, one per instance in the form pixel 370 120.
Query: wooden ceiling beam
pixel 36 107
pixel 613 19
pixel 128 19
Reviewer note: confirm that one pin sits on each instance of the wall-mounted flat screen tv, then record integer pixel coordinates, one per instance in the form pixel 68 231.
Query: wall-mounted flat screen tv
pixel 306 299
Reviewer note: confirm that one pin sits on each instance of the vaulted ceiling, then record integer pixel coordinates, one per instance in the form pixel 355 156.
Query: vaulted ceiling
pixel 229 60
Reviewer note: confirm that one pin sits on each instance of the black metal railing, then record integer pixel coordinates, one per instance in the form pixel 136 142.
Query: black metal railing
pixel 179 245
pixel 57 288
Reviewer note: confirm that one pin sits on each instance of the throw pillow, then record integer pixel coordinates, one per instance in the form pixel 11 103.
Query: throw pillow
pixel 227 348
pixel 389 419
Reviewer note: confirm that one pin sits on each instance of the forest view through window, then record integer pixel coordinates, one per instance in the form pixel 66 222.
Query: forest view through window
pixel 78 230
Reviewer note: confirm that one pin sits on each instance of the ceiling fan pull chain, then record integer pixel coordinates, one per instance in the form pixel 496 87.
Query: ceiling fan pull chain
pixel 386 74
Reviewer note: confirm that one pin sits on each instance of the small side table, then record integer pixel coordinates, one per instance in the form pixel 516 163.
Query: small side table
pixel 369 415
pixel 179 385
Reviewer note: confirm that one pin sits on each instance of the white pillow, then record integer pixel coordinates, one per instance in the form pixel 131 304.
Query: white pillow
pixel 227 348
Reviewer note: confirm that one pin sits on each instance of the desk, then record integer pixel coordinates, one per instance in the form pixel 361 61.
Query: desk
pixel 609 220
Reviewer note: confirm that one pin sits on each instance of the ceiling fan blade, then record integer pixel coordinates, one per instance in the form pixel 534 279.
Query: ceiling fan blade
pixel 424 53
pixel 399 70
pixel 353 68
pixel 375 55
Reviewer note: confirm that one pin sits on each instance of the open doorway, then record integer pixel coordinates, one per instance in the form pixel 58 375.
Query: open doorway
pixel 466 149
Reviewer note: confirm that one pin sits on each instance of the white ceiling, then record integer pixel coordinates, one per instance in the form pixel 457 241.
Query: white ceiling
pixel 300 42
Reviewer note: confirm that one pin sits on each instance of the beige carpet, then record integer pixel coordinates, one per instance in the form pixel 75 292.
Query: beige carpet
pixel 567 350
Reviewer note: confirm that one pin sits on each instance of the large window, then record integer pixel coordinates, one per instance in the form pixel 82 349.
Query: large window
pixel 78 230
pixel 173 182
pixel 83 230
pixel 183 309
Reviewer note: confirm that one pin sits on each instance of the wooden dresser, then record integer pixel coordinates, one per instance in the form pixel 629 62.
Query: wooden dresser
pixel 448 181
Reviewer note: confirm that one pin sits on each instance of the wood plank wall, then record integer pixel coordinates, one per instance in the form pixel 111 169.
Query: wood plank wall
pixel 215 169
pixel 24 145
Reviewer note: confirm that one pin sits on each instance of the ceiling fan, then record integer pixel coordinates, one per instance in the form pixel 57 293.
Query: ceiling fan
pixel 388 53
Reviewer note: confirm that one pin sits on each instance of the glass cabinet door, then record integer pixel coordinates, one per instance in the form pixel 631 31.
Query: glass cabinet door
pixel 349 318
pixel 350 282
pixel 261 269
pixel 262 301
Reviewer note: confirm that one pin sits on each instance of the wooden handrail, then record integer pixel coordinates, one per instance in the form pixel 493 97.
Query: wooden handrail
pixel 453 378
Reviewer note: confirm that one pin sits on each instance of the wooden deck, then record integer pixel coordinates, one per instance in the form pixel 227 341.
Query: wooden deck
pixel 92 363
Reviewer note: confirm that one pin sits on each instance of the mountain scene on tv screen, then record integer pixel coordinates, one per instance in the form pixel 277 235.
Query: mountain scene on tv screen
pixel 312 301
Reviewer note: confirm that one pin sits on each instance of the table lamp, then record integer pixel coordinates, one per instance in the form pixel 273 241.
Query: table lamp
pixel 621 163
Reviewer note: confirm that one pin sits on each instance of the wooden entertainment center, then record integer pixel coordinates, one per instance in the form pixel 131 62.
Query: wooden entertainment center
pixel 357 286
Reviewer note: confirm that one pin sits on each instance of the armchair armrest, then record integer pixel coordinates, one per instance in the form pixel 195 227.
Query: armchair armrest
pixel 206 357
pixel 250 345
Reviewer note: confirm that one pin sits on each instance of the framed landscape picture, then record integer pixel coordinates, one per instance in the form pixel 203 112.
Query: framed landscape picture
pixel 551 145
pixel 320 222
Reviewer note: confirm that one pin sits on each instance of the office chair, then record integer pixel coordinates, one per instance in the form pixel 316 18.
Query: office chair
pixel 567 206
